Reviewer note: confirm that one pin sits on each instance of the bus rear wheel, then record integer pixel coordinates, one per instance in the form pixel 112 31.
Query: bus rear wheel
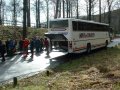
pixel 88 48
pixel 106 43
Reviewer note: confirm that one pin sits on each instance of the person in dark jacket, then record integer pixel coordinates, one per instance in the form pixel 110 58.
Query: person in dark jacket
pixel 21 45
pixel 2 51
pixel 7 46
pixel 32 47
pixel 11 47
pixel 42 43
pixel 37 45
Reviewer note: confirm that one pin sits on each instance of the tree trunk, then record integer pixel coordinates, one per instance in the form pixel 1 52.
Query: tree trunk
pixel 63 9
pixel 77 10
pixel 109 2
pixel 59 9
pixel 71 10
pixel 1 12
pixel 39 13
pixel 99 10
pixel 109 15
pixel 14 14
pixel 47 13
pixel 89 17
pixel 87 9
pixel 57 5
pixel 119 24
pixel 104 16
pixel 24 19
pixel 67 8
pixel 28 14
pixel 14 17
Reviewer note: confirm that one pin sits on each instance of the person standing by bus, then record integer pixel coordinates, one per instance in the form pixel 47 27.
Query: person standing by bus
pixel 7 46
pixel 25 46
pixel 32 47
pixel 11 47
pixel 37 44
pixel 20 45
pixel 46 43
pixel 2 51
pixel 42 43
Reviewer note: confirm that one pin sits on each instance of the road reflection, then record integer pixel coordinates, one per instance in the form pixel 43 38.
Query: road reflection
pixel 18 65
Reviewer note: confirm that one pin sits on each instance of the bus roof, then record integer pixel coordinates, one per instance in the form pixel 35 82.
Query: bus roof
pixel 73 19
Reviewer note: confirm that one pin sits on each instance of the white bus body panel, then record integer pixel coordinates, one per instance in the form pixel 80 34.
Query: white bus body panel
pixel 80 39
pixel 96 39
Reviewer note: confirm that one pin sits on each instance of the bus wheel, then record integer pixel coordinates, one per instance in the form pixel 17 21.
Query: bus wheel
pixel 106 43
pixel 88 48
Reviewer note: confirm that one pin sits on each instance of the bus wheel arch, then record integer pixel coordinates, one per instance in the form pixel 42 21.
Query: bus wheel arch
pixel 106 43
pixel 88 48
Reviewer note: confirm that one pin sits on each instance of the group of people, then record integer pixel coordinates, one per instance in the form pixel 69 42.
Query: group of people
pixel 8 47
pixel 36 43
pixel 39 44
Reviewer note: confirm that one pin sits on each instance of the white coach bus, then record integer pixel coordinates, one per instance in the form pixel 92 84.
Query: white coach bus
pixel 76 35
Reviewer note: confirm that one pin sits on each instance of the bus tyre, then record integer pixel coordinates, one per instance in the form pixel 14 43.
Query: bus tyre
pixel 88 48
pixel 106 43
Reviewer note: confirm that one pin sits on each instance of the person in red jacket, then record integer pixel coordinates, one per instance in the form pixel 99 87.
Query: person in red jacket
pixel 46 44
pixel 26 42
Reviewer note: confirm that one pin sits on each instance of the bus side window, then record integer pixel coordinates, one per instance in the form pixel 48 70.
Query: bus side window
pixel 74 24
pixel 79 26
pixel 82 26
pixel 87 26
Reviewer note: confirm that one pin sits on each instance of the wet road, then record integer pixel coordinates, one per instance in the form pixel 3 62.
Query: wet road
pixel 114 42
pixel 17 65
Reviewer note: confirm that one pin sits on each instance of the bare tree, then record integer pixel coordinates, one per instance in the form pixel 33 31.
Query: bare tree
pixel 14 13
pixel 57 6
pixel 2 8
pixel 36 5
pixel 0 12
pixel 117 5
pixel 15 8
pixel 93 6
pixel 103 10
pixel 99 10
pixel 109 5
pixel 3 11
pixel 63 9
pixel 90 7
pixel 77 10
pixel 39 13
pixel 24 18
pixel 28 14
pixel 71 9
pixel 87 8
pixel 47 7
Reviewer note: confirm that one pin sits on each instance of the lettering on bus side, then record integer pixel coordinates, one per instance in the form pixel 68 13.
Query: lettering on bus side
pixel 86 35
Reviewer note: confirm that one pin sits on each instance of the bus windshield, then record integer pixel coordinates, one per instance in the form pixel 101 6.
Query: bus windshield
pixel 59 23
